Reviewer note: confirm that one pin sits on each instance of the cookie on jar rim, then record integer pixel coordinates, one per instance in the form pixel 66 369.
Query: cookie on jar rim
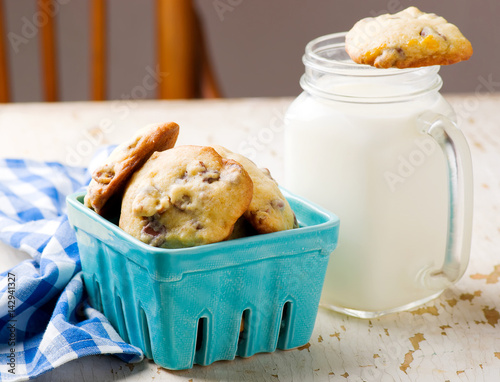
pixel 407 39
pixel 110 178
pixel 185 196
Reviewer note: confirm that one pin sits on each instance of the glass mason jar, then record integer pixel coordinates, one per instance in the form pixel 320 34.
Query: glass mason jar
pixel 380 148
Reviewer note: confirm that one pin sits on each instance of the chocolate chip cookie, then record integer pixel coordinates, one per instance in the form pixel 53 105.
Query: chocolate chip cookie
pixel 110 178
pixel 185 196
pixel 406 39
pixel 269 210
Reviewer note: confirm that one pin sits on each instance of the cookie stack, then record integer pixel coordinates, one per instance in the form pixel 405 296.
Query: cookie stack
pixel 187 195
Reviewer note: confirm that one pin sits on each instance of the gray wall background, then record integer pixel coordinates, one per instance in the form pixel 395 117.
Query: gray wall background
pixel 256 45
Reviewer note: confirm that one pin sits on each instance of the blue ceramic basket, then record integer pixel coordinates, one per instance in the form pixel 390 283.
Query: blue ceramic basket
pixel 185 306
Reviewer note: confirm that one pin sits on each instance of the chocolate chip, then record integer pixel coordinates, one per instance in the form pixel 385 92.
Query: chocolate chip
pixel 211 176
pixel 155 230
pixel 153 226
pixel 425 32
pixel 105 177
pixel 104 174
pixel 151 230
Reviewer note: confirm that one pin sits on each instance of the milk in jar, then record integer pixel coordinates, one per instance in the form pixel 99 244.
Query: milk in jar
pixel 355 144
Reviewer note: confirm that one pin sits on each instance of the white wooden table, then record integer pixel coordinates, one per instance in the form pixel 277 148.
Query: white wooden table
pixel 453 338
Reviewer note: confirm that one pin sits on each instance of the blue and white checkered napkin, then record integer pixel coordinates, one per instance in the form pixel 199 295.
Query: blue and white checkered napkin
pixel 45 319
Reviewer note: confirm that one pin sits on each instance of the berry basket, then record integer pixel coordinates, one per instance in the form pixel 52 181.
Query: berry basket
pixel 212 302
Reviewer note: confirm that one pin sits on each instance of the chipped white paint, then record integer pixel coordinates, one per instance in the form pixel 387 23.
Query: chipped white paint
pixel 454 338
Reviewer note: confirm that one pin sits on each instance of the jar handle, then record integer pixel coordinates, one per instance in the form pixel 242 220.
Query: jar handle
pixel 459 169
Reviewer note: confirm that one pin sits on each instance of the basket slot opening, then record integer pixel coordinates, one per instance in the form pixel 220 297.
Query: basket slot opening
pixel 122 328
pixel 243 342
pixel 285 322
pixel 201 346
pixel 146 338
pixel 97 296
pixel 244 326
pixel 201 334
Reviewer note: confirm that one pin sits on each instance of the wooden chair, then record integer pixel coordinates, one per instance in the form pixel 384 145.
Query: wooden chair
pixel 180 47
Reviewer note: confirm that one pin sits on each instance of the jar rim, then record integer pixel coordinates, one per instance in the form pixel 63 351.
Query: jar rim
pixel 325 56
